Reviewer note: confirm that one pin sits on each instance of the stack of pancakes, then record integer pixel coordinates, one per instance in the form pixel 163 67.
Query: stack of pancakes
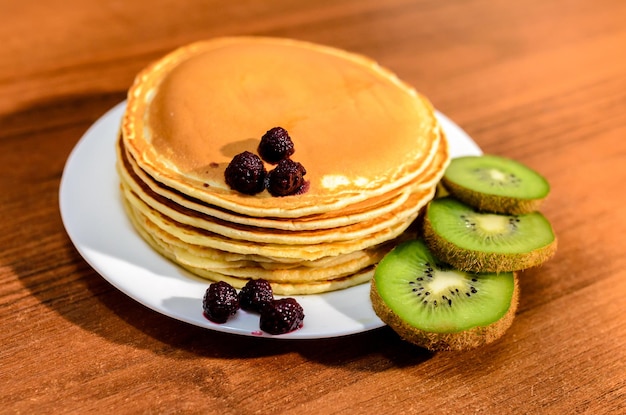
pixel 372 148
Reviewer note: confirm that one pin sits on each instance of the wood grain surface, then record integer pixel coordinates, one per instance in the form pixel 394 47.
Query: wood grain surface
pixel 540 81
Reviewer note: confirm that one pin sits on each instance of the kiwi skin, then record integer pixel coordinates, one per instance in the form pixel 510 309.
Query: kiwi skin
pixel 460 341
pixel 492 203
pixel 478 261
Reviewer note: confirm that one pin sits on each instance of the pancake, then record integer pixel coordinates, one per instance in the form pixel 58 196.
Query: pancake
pixel 280 286
pixel 189 113
pixel 308 237
pixel 163 198
pixel 156 223
pixel 372 147
pixel 371 222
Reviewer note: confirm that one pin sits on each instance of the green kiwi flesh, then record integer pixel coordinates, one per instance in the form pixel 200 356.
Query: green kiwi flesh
pixel 487 242
pixel 495 184
pixel 434 306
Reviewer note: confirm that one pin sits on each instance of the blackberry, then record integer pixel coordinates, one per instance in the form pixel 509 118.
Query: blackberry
pixel 220 302
pixel 282 316
pixel 255 295
pixel 246 173
pixel 276 145
pixel 287 178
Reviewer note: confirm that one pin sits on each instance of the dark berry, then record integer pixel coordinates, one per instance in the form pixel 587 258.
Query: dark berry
pixel 246 173
pixel 255 295
pixel 220 302
pixel 287 178
pixel 276 145
pixel 282 316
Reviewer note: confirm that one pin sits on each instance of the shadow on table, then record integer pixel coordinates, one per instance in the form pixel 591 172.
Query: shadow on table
pixel 80 295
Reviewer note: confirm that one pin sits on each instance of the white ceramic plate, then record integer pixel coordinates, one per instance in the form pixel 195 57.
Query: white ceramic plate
pixel 95 220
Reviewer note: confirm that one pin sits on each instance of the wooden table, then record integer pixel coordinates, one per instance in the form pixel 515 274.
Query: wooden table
pixel 540 81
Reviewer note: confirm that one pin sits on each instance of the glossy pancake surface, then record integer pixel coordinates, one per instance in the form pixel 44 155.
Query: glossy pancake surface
pixel 192 111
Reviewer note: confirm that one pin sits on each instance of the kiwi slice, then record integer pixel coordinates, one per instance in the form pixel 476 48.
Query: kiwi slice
pixel 486 242
pixel 495 184
pixel 430 304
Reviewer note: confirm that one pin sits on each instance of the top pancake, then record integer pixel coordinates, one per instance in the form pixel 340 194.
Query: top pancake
pixel 357 129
